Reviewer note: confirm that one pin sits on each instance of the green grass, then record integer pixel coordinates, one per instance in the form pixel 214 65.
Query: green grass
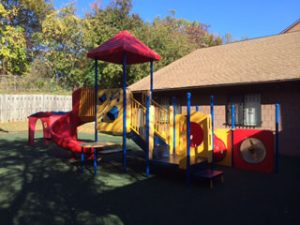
pixel 38 185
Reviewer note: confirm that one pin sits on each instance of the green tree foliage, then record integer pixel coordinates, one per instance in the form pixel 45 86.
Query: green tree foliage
pixel 55 42
pixel 101 25
pixel 12 44
pixel 28 14
pixel 172 38
pixel 64 48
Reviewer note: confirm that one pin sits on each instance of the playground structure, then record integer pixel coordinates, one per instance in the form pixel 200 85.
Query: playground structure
pixel 250 149
pixel 187 141
pixel 253 149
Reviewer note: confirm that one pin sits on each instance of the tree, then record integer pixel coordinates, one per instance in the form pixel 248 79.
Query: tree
pixel 39 39
pixel 29 15
pixel 63 45
pixel 172 38
pixel 101 25
pixel 13 44
pixel 228 38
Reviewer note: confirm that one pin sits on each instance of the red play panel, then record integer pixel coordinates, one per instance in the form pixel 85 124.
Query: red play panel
pixel 254 150
pixel 197 135
pixel 113 50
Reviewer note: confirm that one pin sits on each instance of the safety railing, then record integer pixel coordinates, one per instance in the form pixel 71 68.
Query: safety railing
pixel 138 117
pixel 161 120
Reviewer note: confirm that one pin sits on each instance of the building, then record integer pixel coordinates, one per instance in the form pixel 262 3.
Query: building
pixel 252 74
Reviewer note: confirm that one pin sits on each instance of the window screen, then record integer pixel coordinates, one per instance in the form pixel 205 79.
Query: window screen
pixel 237 101
pixel 247 110
pixel 252 110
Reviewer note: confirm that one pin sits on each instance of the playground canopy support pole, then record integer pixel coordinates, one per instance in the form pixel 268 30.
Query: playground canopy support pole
pixel 188 138
pixel 147 134
pixel 277 119
pixel 96 99
pixel 212 113
pixel 232 132
pixel 151 78
pixel 174 124
pixel 95 161
pixel 197 108
pixel 124 147
pixel 148 99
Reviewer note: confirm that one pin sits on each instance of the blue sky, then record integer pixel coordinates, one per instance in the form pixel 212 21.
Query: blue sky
pixel 241 18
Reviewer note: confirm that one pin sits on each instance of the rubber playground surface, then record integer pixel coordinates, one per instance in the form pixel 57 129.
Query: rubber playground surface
pixel 38 185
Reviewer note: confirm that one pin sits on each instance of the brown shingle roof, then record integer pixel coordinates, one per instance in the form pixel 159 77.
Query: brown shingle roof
pixel 268 59
pixel 292 28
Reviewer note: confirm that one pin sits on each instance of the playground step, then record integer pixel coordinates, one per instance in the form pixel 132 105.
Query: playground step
pixel 209 174
pixel 137 139
pixel 175 160
pixel 161 151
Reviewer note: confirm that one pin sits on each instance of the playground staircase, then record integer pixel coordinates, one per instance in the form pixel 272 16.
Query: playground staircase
pixel 138 123
pixel 137 139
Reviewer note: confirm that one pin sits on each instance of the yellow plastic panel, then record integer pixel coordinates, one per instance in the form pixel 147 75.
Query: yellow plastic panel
pixel 114 97
pixel 205 149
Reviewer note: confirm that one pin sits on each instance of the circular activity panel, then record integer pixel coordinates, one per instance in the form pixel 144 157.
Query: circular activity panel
pixel 254 150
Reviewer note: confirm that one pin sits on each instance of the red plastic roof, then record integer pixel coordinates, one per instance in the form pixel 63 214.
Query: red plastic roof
pixel 113 49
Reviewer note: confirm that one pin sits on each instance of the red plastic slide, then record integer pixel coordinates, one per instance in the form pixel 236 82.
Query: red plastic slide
pixel 59 127
pixel 64 132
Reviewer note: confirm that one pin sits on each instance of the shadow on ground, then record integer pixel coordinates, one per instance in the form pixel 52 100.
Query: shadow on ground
pixel 40 187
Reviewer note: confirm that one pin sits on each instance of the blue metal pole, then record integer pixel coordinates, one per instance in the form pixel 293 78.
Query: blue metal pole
pixel 197 108
pixel 212 113
pixel 82 160
pixel 96 99
pixel 151 78
pixel 95 161
pixel 277 119
pixel 147 135
pixel 124 146
pixel 174 124
pixel 188 138
pixel 232 133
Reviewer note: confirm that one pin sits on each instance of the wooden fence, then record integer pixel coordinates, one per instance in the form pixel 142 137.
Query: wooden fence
pixel 18 107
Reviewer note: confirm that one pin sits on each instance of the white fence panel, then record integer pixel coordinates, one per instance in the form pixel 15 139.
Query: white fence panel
pixel 19 107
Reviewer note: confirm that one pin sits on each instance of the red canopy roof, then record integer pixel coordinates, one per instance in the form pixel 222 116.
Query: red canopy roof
pixel 113 49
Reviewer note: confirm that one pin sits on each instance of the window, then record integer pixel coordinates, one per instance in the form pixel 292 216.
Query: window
pixel 247 110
